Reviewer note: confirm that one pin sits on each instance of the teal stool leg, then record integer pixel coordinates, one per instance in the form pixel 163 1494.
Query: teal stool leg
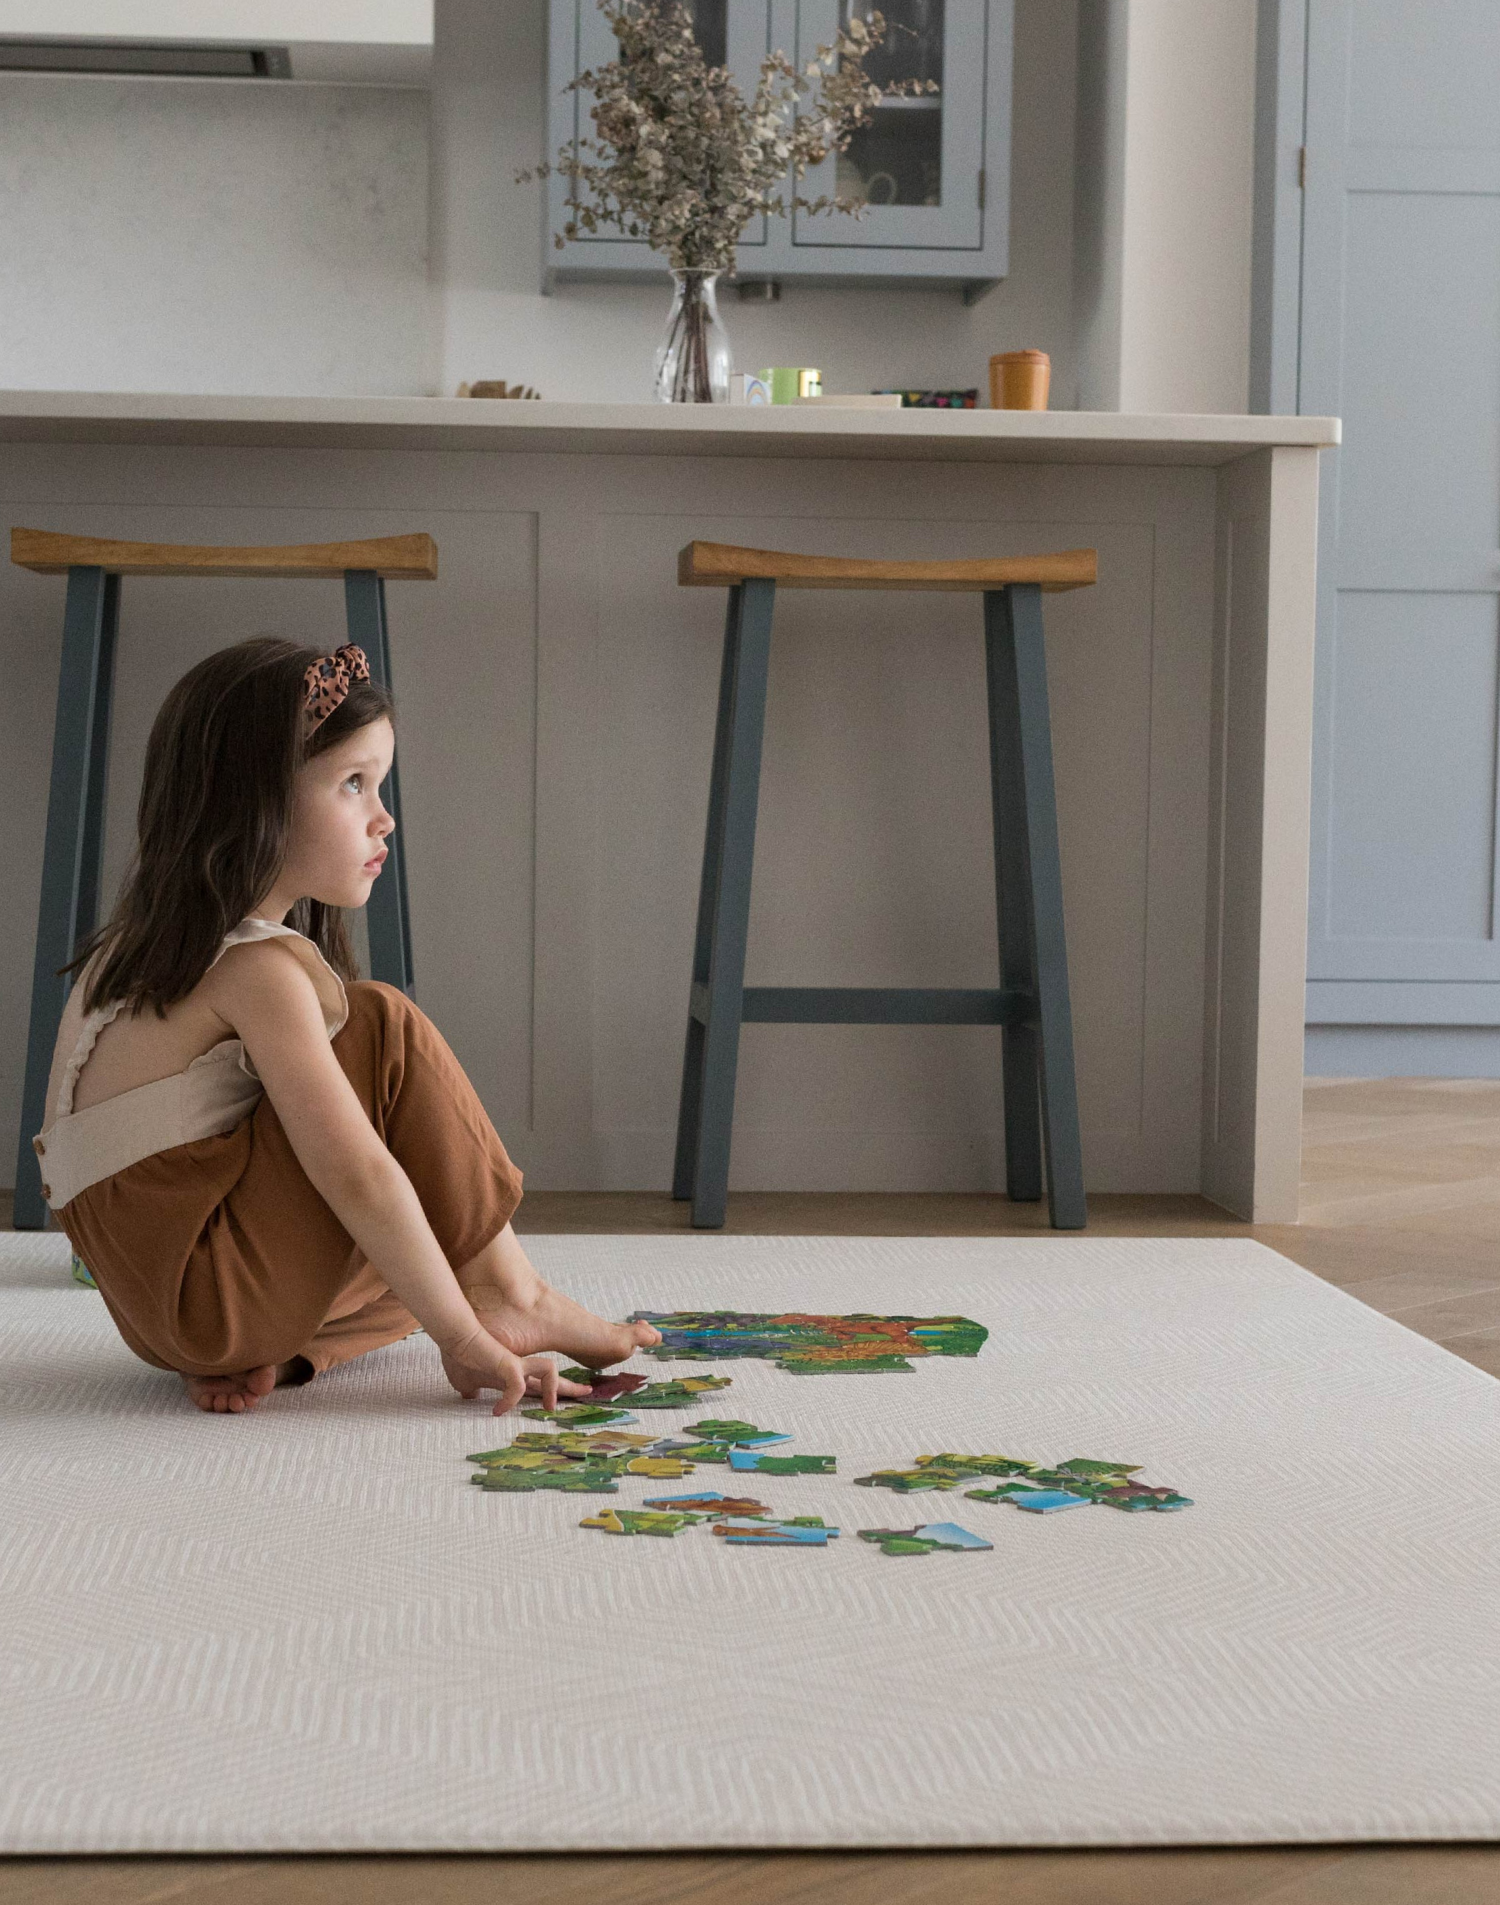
pixel 387 913
pixel 706 1116
pixel 68 910
pixel 1029 882
pixel 690 1106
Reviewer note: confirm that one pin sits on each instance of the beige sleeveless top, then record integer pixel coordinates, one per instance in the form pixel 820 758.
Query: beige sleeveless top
pixel 217 1090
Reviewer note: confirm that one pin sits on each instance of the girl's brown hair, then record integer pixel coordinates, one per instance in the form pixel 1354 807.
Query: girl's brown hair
pixel 214 822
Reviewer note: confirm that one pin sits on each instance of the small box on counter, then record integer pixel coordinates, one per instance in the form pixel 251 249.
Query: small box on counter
pixel 935 399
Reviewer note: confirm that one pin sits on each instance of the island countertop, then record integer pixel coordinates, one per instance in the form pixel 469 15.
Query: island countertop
pixel 814 430
pixel 557 696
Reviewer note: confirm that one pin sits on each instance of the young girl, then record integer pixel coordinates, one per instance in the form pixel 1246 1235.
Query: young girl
pixel 282 1166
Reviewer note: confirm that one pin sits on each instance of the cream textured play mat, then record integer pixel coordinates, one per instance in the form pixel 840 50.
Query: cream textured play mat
pixel 304 1630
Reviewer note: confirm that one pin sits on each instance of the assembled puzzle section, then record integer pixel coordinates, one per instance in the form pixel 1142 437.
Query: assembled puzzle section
pixel 807 1345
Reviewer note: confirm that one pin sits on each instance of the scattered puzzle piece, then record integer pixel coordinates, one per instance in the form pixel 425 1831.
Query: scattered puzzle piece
pixel 708 1503
pixel 804 1531
pixel 1001 1492
pixel 685 1394
pixel 638 1521
pixel 1132 1500
pixel 948 1534
pixel 603 1388
pixel 1043 1500
pixel 578 1415
pixel 755 1463
pixel 932 1538
pixel 661 1468
pixel 909 1481
pixel 978 1464
pixel 577 1479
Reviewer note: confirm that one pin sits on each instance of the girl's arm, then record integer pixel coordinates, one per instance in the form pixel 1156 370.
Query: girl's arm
pixel 273 1006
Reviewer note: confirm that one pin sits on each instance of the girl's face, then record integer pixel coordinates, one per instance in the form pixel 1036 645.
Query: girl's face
pixel 339 824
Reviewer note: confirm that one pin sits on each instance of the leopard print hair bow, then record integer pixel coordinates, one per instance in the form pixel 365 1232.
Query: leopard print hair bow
pixel 327 682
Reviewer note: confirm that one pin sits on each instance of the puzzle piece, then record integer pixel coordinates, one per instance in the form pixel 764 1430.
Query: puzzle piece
pixel 604 1388
pixel 661 1468
pixel 684 1394
pixel 1043 1500
pixel 978 1464
pixel 577 1479
pixel 1132 1500
pixel 755 1463
pixel 948 1534
pixel 909 1481
pixel 577 1414
pixel 931 1538
pixel 638 1521
pixel 1085 1466
pixel 805 1531
pixel 575 1442
pixel 708 1503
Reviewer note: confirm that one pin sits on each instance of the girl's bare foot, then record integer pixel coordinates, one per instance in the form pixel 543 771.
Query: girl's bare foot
pixel 527 1315
pixel 546 1319
pixel 234 1394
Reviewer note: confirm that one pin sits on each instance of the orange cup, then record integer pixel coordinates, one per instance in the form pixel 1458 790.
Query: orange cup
pixel 1019 380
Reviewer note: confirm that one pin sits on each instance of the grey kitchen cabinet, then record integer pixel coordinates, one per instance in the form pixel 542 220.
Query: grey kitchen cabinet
pixel 934 168
pixel 1400 318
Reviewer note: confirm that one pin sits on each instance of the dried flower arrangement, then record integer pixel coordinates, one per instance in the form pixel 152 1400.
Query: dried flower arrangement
pixel 683 160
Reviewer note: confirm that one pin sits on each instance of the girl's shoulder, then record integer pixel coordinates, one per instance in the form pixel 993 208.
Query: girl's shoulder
pixel 259 946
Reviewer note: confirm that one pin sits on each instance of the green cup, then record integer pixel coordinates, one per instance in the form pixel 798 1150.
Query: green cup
pixel 790 382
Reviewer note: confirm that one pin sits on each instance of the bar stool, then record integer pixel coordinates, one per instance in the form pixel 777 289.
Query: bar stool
pixel 1040 1095
pixel 73 855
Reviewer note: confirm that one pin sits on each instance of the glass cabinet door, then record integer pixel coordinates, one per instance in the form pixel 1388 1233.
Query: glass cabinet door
pixel 732 33
pixel 918 160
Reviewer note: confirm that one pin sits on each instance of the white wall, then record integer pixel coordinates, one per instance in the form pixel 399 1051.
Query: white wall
pixel 1189 187
pixel 215 236
pixel 1165 196
pixel 596 341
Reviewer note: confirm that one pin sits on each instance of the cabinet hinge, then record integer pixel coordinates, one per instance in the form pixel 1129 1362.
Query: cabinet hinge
pixel 1302 168
pixel 981 188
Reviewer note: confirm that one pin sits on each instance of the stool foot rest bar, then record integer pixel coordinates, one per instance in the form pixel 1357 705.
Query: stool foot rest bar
pixel 1031 1004
pixel 72 857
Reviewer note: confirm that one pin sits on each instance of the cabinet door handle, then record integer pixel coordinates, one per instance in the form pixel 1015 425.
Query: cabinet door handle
pixel 981 188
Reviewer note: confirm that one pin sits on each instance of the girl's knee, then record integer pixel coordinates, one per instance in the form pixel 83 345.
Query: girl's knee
pixel 374 997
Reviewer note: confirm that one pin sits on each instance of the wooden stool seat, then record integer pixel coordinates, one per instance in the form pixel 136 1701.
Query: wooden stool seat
pixel 72 858
pixel 1031 1002
pixel 710 565
pixel 392 558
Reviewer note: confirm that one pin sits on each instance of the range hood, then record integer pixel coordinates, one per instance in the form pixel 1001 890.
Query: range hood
pixel 370 42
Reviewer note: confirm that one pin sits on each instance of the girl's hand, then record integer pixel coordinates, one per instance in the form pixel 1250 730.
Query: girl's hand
pixel 479 1362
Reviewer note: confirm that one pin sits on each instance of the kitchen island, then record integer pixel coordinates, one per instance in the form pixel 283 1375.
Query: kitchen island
pixel 556 699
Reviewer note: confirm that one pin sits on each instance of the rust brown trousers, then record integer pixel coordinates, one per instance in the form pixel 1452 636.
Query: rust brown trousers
pixel 220 1255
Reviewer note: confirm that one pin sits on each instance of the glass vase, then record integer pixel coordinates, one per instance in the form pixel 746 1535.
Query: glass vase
pixel 694 363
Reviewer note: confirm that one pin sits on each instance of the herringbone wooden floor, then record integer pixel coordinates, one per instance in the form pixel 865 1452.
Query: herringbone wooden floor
pixel 1401 1206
